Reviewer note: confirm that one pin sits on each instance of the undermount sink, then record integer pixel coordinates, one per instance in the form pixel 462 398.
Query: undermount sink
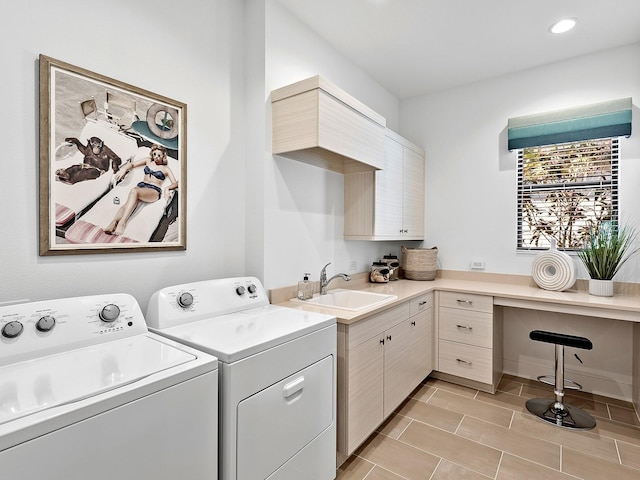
pixel 352 300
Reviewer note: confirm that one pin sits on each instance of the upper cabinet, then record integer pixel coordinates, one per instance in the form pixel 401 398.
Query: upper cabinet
pixel 316 122
pixel 387 204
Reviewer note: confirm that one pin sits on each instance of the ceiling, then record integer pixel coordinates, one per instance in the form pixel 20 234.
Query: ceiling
pixel 414 47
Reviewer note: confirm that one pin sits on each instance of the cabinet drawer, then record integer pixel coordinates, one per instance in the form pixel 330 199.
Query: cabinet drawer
pixel 474 363
pixel 420 304
pixel 471 328
pixel 466 301
pixel 376 324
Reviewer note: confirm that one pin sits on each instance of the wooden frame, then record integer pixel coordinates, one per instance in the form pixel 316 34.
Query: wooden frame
pixel 93 131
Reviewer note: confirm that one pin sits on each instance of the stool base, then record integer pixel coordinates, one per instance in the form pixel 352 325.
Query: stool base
pixel 565 416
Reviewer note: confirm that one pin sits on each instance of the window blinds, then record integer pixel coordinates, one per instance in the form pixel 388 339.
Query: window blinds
pixel 599 120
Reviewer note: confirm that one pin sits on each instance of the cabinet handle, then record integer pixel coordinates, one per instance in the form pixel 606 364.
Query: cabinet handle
pixel 389 337
pixel 466 302
pixel 465 327
pixel 382 341
pixel 424 302
pixel 413 323
pixel 464 362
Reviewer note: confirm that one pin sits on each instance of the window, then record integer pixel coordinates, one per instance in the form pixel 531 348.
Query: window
pixel 563 190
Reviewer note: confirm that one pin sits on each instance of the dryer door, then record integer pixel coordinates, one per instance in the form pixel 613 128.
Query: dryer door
pixel 279 421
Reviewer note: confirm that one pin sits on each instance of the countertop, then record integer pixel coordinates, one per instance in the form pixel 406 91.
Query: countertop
pixel 620 307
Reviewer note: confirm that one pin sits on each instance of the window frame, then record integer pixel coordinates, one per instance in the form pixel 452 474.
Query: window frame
pixel 566 185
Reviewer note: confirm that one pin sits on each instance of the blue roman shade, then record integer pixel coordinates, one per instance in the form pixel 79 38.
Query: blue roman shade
pixel 599 120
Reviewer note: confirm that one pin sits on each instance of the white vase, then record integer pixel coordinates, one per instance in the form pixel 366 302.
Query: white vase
pixel 553 270
pixel 601 288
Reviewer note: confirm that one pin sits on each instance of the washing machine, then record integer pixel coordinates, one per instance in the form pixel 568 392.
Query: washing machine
pixel 277 373
pixel 87 392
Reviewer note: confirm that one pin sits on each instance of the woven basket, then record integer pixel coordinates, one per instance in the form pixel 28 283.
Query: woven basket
pixel 419 263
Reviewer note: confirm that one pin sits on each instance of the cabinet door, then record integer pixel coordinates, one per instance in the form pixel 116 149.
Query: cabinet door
pixel 365 408
pixel 413 195
pixel 388 193
pixel 398 378
pixel 422 345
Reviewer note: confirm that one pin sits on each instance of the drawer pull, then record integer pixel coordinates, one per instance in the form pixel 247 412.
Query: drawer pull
pixel 466 302
pixel 414 324
pixel 465 327
pixel 424 302
pixel 389 337
pixel 382 341
pixel 464 362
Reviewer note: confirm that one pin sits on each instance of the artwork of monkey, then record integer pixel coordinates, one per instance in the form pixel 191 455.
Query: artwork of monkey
pixel 97 159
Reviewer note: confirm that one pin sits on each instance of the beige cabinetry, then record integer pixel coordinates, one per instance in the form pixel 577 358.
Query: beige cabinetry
pixel 469 339
pixel 316 122
pixel 387 204
pixel 381 359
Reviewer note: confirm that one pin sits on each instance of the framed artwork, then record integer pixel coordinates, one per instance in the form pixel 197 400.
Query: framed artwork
pixel 113 165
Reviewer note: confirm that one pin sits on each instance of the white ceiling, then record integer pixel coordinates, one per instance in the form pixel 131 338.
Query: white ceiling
pixel 413 47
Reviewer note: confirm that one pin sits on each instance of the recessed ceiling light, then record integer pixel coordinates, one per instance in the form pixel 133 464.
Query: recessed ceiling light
pixel 563 25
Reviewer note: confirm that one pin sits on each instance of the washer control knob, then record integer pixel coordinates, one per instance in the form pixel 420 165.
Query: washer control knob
pixel 109 313
pixel 252 288
pixel 185 300
pixel 45 323
pixel 12 329
pixel 240 290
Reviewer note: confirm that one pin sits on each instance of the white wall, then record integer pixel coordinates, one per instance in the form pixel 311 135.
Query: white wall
pixel 304 205
pixel 464 134
pixel 471 176
pixel 190 51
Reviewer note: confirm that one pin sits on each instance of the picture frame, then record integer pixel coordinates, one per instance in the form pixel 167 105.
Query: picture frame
pixel 112 166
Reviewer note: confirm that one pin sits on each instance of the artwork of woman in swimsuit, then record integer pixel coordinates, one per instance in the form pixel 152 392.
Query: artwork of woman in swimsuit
pixel 149 190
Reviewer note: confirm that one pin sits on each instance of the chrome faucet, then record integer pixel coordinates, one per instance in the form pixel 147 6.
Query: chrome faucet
pixel 324 283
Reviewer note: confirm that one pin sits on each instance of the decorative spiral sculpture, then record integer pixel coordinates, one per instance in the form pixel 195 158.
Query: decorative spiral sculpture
pixel 553 270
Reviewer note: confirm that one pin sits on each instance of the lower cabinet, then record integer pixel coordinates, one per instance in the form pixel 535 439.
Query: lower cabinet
pixel 381 359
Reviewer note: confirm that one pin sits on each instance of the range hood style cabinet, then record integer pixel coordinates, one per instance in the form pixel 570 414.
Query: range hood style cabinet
pixel 316 122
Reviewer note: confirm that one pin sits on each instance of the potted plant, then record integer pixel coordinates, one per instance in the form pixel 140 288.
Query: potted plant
pixel 607 250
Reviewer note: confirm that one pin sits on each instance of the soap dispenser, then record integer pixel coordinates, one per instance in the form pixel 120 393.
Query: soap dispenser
pixel 305 288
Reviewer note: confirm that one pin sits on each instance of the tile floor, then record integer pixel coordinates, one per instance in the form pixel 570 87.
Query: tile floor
pixel 445 431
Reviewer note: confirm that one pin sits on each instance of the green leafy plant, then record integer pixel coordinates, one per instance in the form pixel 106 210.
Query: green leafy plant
pixel 607 250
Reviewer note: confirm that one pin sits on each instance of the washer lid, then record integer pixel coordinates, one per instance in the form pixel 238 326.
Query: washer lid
pixel 235 336
pixel 64 378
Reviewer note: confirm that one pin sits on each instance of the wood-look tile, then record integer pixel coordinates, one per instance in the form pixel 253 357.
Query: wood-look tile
pixel 588 467
pixel 515 468
pixel 431 414
pixel 448 471
pixel 452 387
pixel 394 426
pixel 423 392
pixel 624 415
pixel 399 457
pixel 510 385
pixel 355 468
pixel 379 473
pixel 456 449
pixel 517 443
pixel 629 455
pixel 589 442
pixel 468 406
pixel 619 431
pixel 505 400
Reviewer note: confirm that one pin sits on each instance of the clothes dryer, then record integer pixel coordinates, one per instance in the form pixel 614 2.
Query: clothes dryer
pixel 277 376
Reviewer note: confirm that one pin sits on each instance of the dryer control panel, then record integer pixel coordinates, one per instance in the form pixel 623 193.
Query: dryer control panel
pixel 190 302
pixel 33 329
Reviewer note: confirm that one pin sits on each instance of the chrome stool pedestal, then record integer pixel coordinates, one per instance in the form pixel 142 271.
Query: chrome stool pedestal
pixel 556 411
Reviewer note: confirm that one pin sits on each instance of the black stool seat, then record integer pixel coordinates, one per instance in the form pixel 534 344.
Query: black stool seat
pixel 556 411
pixel 561 339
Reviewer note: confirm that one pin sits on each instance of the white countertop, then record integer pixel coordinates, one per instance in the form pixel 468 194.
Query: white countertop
pixel 620 307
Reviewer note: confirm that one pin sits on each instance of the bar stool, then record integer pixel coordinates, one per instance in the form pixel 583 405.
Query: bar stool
pixel 556 411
